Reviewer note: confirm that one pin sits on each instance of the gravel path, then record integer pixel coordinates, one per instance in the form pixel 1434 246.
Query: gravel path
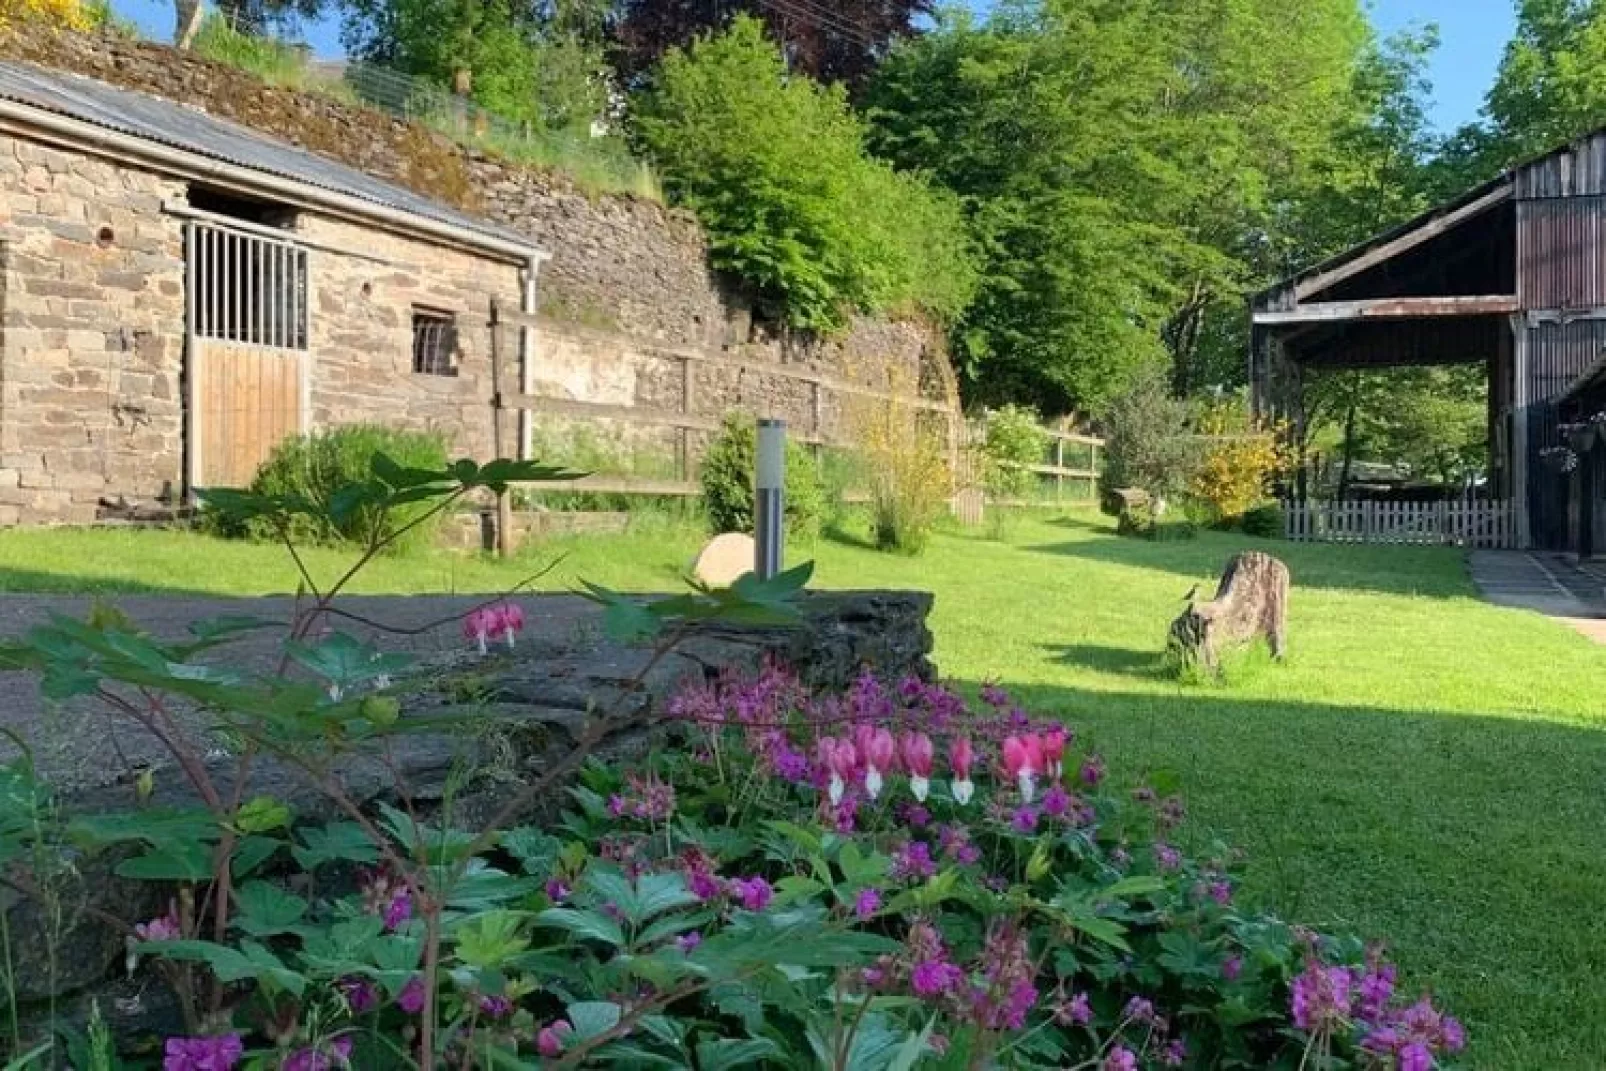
pixel 77 747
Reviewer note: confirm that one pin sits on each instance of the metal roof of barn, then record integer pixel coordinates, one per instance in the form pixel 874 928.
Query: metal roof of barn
pixel 191 130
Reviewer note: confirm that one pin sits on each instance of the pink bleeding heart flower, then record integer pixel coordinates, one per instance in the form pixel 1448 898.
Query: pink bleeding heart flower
pixel 960 757
pixel 477 627
pixel 511 621
pixel 1023 761
pixel 879 755
pixel 840 758
pixel 1054 751
pixel 917 754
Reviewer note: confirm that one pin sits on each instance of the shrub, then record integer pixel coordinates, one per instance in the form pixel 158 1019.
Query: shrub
pixel 316 466
pixel 65 14
pixel 774 166
pixel 1239 461
pixel 727 479
pixel 905 465
pixel 1146 442
pixel 268 58
pixel 1264 521
pixel 1014 438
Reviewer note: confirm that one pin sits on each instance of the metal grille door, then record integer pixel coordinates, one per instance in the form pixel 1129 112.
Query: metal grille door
pixel 247 351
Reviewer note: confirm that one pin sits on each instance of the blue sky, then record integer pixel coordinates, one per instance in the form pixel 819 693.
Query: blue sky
pixel 1472 34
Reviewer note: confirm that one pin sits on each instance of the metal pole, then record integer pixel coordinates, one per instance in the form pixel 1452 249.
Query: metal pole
pixel 769 483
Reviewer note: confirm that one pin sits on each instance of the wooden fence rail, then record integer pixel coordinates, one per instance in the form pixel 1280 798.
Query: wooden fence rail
pixel 1467 522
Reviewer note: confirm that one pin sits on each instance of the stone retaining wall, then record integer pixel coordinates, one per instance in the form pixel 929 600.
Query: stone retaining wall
pixel 532 706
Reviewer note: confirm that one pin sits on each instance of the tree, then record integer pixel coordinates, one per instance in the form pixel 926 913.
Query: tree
pixel 828 40
pixel 1121 163
pixel 775 168
pixel 543 64
pixel 1549 88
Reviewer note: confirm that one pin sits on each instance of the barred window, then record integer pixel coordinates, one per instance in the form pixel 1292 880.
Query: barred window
pixel 434 343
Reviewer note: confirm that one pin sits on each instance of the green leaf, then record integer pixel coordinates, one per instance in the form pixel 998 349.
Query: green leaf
pixel 1130 888
pixel 586 925
pixel 262 814
pixel 26 1061
pixel 913 1048
pixel 151 825
pixel 175 861
pixel 251 853
pixel 795 888
pixel 535 849
pixel 265 909
pixel 490 940
pixel 397 952
pixel 860 869
pixel 658 893
pixel 724 1054
pixel 250 962
pixel 336 842
pixel 593 1018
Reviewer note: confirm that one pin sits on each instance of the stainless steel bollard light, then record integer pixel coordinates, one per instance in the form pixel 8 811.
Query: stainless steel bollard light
pixel 769 484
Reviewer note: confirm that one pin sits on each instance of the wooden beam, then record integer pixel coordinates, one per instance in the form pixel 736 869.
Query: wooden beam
pixel 618 485
pixel 633 414
pixel 1427 231
pixel 1398 308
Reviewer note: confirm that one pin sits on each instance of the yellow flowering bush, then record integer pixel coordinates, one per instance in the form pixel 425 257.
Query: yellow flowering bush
pixel 1240 460
pixel 68 14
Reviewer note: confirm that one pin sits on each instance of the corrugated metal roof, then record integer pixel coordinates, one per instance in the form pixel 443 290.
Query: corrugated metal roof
pixel 181 127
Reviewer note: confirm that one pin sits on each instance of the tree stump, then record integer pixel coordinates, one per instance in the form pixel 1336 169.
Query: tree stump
pixel 1251 600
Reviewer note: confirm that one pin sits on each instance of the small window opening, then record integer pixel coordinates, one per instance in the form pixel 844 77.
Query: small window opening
pixel 248 209
pixel 434 343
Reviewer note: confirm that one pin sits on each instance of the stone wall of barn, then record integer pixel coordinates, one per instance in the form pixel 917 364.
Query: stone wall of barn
pixel 362 333
pixel 91 335
pixel 92 314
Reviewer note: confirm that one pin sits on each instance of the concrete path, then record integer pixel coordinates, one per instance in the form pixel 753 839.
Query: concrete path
pixel 1546 583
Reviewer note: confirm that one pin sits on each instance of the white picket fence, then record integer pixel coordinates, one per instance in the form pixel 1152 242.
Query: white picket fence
pixel 1464 522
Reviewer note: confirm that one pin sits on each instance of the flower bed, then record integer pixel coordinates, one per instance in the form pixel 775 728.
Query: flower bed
pixel 882 879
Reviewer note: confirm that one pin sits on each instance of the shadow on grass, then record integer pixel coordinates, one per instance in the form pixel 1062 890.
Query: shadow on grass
pixel 20 582
pixel 1473 844
pixel 1437 572
pixel 1126 661
pixel 847 536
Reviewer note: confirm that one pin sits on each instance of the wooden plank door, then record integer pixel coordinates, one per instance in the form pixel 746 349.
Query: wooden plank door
pixel 247 350
pixel 249 400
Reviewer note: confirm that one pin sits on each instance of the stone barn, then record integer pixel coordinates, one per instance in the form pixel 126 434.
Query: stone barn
pixel 178 294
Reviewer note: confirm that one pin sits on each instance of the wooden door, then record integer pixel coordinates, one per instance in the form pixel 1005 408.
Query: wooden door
pixel 247 351
pixel 248 400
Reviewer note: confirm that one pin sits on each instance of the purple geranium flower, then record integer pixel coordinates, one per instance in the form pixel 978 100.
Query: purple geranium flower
pixel 867 903
pixel 219 1053
pixel 411 997
pixel 753 893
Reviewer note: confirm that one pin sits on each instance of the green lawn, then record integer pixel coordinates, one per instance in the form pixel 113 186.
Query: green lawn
pixel 1425 769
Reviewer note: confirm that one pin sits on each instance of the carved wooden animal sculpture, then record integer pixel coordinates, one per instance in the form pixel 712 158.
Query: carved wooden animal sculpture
pixel 1251 600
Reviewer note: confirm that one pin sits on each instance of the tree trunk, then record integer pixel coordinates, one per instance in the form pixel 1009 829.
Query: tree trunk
pixel 1349 450
pixel 187 20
